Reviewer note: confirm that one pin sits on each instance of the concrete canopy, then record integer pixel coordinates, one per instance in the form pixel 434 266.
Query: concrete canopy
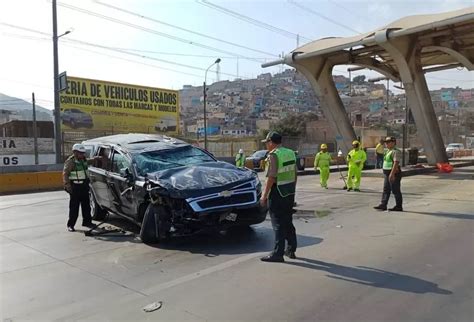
pixel 399 51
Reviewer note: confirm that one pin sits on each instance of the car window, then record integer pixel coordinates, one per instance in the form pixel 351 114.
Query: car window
pixel 153 161
pixel 104 162
pixel 119 162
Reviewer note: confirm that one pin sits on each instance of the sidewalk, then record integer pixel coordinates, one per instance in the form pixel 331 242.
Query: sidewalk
pixel 410 170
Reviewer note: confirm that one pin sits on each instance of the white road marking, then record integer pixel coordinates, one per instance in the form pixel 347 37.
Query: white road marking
pixel 201 273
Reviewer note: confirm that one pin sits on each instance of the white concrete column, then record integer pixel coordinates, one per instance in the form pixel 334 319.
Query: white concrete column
pixel 406 55
pixel 319 73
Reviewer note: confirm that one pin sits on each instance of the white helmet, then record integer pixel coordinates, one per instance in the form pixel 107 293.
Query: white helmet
pixel 241 151
pixel 79 148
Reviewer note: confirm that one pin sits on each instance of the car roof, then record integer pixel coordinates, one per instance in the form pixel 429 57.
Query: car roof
pixel 139 142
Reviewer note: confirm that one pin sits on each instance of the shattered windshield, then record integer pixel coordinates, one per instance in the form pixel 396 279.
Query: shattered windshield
pixel 152 161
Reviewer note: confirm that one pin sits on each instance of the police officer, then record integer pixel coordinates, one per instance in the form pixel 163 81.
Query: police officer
pixel 393 176
pixel 355 158
pixel 76 183
pixel 240 159
pixel 279 193
pixel 322 160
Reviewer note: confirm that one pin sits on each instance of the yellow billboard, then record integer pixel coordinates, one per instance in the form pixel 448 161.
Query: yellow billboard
pixel 379 93
pixel 97 105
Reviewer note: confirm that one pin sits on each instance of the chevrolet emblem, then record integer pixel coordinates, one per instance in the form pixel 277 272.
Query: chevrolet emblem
pixel 226 193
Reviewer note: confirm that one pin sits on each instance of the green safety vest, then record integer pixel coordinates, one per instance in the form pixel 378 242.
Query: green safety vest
pixel 286 173
pixel 323 159
pixel 79 173
pixel 240 160
pixel 388 159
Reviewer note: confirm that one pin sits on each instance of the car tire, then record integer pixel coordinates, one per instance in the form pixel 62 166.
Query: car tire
pixel 300 164
pixel 153 230
pixel 97 213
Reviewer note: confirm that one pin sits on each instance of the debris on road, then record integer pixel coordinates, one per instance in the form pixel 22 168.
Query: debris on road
pixel 339 226
pixel 153 306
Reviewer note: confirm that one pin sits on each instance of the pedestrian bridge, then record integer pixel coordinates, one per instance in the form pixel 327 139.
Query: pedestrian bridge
pixel 401 51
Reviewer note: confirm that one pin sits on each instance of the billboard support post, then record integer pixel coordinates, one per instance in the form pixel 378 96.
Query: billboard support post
pixel 35 132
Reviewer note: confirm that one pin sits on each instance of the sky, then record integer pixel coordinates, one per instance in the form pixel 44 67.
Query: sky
pixel 171 43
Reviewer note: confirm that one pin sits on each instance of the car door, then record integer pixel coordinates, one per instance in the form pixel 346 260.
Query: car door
pixel 98 173
pixel 121 185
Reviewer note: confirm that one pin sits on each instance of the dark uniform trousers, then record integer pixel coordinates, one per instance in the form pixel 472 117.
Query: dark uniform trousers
pixel 379 161
pixel 281 214
pixel 392 187
pixel 79 196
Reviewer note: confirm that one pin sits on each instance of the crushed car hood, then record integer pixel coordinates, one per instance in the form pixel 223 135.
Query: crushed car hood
pixel 202 179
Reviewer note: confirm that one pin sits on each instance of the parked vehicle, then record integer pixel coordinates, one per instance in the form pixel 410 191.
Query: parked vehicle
pixel 453 147
pixel 257 157
pixel 166 124
pixel 76 118
pixel 168 186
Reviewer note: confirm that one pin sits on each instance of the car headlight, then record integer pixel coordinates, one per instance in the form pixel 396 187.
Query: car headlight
pixel 258 185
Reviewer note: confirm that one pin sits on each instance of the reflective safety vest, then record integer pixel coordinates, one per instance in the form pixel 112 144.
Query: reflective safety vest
pixel 322 159
pixel 286 173
pixel 240 160
pixel 388 159
pixel 356 155
pixel 79 173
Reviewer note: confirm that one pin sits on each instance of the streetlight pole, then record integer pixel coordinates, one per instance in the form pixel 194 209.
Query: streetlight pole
pixel 57 112
pixel 57 119
pixel 218 60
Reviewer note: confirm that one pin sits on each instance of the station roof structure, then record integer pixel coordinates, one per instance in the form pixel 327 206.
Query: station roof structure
pixel 446 41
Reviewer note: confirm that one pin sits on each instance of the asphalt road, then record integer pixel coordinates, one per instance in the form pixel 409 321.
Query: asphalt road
pixel 354 263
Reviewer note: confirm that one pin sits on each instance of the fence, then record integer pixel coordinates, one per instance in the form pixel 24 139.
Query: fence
pixel 219 147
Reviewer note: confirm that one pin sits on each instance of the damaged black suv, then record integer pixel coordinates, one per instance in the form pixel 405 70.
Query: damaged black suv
pixel 169 187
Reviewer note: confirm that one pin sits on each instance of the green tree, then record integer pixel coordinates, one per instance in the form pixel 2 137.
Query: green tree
pixel 293 125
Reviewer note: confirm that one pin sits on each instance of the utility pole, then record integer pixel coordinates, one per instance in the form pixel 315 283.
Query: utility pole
pixel 204 90
pixel 57 112
pixel 35 132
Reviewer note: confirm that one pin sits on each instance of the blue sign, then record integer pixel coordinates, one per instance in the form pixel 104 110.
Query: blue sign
pixel 453 105
pixel 375 106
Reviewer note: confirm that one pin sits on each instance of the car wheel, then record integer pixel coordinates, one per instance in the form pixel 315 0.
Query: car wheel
pixel 156 225
pixel 300 164
pixel 97 213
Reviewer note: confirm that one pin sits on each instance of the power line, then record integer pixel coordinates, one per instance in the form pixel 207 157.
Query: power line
pixel 69 40
pixel 149 30
pixel 351 11
pixel 180 28
pixel 139 55
pixel 187 55
pixel 296 4
pixel 135 61
pixel 253 21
